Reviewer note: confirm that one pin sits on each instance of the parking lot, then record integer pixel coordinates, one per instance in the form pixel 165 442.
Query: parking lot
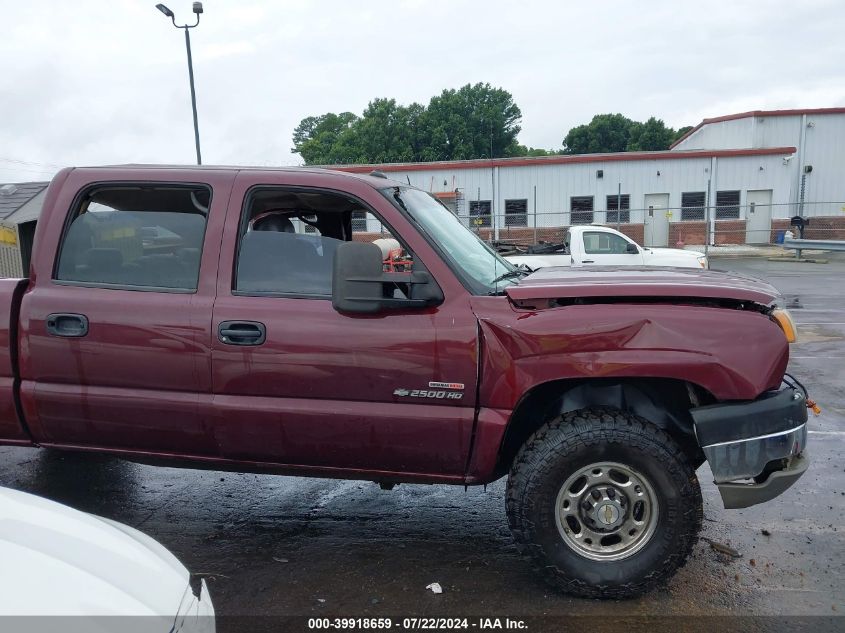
pixel 286 546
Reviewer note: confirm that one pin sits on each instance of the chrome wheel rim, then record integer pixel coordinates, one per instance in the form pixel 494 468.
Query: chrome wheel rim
pixel 606 511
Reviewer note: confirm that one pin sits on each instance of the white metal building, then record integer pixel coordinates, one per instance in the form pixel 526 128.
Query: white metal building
pixel 20 206
pixel 818 136
pixel 744 174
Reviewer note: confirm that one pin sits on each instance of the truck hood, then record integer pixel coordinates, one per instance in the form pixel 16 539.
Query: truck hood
pixel 60 561
pixel 640 281
pixel 674 252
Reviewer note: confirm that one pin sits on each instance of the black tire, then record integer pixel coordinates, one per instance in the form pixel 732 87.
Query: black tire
pixel 575 440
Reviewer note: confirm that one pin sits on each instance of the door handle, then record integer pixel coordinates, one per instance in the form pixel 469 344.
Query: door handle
pixel 67 325
pixel 587 261
pixel 242 333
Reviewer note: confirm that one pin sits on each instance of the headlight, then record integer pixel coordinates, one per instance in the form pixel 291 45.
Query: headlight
pixel 703 262
pixel 784 320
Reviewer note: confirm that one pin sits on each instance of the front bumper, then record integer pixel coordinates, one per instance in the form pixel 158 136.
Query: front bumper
pixel 756 449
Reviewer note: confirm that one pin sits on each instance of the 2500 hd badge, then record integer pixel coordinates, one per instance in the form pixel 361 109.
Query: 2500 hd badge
pixel 436 390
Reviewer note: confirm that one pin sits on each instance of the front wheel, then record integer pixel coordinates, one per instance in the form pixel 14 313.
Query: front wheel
pixel 605 503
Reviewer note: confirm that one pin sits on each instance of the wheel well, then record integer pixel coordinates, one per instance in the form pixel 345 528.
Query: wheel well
pixel 665 402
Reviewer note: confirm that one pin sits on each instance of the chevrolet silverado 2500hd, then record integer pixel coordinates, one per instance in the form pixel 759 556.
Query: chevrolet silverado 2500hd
pixel 242 319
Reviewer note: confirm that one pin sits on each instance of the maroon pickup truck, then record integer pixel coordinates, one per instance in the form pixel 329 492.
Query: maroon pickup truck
pixel 310 322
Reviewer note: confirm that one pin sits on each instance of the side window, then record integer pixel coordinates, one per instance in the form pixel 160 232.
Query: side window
pixel 288 239
pixel 136 236
pixel 596 243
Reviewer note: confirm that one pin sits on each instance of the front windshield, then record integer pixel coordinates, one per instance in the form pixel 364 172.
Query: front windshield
pixel 480 265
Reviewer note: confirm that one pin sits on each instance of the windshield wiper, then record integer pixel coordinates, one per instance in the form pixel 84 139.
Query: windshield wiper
pixel 398 197
pixel 519 271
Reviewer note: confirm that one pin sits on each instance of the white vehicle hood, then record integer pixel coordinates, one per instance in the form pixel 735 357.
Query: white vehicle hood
pixel 59 561
pixel 674 252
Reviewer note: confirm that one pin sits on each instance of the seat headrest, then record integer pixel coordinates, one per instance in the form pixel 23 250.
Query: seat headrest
pixel 273 222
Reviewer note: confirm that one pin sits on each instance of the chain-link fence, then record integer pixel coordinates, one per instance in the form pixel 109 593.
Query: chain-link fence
pixel 759 221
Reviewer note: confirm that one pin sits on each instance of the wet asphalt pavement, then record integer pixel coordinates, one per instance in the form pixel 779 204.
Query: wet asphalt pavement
pixel 311 547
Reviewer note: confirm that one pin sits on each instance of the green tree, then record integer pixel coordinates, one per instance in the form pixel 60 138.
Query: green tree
pixel 318 138
pixel 605 133
pixel 536 151
pixel 617 133
pixel 475 121
pixel 457 124
pixel 386 133
pixel 653 135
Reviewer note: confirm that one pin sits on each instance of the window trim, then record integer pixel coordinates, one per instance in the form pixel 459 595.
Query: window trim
pixel 71 215
pixel 305 189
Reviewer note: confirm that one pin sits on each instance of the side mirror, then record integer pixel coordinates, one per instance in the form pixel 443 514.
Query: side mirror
pixel 360 285
pixel 632 249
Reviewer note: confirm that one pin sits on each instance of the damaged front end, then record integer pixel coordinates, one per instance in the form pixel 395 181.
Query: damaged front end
pixel 756 449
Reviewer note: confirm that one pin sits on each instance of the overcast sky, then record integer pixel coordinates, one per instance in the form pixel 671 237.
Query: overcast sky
pixel 86 82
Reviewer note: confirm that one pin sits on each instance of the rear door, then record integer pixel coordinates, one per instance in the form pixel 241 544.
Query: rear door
pixel 312 388
pixel 115 329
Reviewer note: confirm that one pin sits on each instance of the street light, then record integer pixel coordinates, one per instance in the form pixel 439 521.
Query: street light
pixel 197 9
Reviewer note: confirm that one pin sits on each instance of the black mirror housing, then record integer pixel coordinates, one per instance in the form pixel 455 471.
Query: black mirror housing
pixel 360 285
pixel 632 249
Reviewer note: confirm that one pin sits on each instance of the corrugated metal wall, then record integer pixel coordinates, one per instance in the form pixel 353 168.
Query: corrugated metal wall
pixel 824 150
pixel 556 184
pixel 819 139
pixel 10 261
pixel 734 134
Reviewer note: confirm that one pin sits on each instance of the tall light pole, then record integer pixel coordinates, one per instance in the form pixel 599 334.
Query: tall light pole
pixel 197 9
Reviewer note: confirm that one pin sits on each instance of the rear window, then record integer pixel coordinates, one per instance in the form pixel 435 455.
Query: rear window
pixel 136 236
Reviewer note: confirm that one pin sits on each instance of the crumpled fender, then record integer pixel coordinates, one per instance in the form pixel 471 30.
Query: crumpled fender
pixel 733 354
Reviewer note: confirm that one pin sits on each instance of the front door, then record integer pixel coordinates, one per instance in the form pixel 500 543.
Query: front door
pixel 656 219
pixel 758 219
pixel 117 339
pixel 310 387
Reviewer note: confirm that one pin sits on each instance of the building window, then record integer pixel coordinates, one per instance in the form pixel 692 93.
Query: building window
pixel 516 212
pixel 727 205
pixel 581 208
pixel 692 205
pixel 623 201
pixel 479 213
pixel 136 236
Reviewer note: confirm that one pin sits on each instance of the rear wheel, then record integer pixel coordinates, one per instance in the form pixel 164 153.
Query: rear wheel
pixel 604 503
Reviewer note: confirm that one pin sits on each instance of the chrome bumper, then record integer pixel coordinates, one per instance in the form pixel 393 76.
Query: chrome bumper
pixel 752 470
pixel 746 459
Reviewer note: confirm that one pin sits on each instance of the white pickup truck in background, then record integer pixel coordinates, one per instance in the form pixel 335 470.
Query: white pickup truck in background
pixel 602 246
